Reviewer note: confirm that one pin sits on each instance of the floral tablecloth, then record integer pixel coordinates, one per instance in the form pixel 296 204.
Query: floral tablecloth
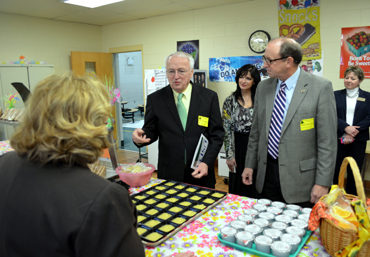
pixel 200 236
pixel 5 147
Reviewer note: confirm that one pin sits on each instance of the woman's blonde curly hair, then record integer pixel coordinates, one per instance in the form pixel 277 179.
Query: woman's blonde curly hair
pixel 64 121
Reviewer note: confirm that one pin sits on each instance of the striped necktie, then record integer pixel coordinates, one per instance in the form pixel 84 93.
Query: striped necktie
pixel 277 122
pixel 181 110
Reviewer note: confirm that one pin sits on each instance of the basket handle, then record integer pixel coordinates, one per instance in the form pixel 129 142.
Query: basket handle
pixel 356 175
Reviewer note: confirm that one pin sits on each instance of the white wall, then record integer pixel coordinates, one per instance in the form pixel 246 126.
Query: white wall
pixel 225 30
pixel 46 40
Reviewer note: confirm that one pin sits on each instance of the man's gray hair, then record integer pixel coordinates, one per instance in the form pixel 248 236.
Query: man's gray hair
pixel 290 47
pixel 183 55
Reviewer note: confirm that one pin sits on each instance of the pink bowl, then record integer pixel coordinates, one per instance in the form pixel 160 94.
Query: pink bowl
pixel 136 179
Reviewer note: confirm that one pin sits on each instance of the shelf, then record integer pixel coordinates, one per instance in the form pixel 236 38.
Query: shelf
pixel 10 123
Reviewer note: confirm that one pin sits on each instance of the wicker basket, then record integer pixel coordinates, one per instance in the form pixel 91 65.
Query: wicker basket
pixel 335 238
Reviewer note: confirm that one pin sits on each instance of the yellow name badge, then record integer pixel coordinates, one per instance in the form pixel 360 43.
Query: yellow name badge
pixel 361 99
pixel 203 121
pixel 307 124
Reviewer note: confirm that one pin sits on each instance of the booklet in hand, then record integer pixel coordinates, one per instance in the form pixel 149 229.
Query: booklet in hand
pixel 200 151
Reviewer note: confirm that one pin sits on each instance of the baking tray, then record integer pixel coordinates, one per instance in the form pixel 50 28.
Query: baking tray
pixel 254 251
pixel 188 221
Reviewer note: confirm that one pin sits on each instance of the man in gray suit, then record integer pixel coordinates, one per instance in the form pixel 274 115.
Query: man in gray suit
pixel 295 159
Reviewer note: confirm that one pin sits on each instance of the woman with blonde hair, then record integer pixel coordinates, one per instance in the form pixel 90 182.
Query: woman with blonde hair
pixel 50 202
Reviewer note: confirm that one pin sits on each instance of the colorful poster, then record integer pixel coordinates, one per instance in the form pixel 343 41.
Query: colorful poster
pixel 355 48
pixel 300 20
pixel 223 69
pixel 314 66
pixel 192 48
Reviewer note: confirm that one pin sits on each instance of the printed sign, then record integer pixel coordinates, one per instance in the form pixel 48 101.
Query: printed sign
pixel 223 69
pixel 300 20
pixel 355 49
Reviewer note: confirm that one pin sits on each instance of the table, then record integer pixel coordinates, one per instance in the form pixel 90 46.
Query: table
pixel 123 104
pixel 129 114
pixel 141 108
pixel 200 236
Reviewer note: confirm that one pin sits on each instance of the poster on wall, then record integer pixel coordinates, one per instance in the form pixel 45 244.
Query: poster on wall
pixel 223 69
pixel 192 48
pixel 200 78
pixel 314 66
pixel 355 49
pixel 300 20
pixel 155 80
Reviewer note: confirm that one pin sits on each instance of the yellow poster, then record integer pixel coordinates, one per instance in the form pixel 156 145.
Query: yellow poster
pixel 300 20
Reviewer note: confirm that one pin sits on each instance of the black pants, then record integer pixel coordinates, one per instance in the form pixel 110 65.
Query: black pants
pixel 271 188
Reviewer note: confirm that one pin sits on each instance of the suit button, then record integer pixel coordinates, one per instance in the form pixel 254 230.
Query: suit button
pixel 264 163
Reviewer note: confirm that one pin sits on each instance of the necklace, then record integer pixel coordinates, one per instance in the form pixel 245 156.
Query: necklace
pixel 352 96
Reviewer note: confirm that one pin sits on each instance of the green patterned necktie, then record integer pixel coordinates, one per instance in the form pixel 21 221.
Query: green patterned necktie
pixel 182 111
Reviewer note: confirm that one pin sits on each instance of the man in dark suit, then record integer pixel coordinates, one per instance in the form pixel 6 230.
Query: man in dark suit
pixel 179 134
pixel 295 164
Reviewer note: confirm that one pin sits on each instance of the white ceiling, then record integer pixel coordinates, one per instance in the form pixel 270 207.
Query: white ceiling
pixel 114 13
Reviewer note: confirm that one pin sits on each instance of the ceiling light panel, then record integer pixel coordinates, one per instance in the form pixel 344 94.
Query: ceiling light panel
pixel 91 3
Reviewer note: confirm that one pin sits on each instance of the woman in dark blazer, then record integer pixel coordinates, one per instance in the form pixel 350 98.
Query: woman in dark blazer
pixel 353 110
pixel 51 204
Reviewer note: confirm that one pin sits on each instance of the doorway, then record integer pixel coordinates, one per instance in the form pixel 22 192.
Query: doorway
pixel 129 79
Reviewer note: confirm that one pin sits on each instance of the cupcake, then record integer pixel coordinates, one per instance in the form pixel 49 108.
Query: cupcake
pixel 152 223
pixel 186 203
pixel 155 236
pixel 189 213
pixel 141 230
pixel 178 220
pixel 217 195
pixel 152 212
pixel 162 205
pixel 175 209
pixel 164 216
pixel 166 228
pixel 199 206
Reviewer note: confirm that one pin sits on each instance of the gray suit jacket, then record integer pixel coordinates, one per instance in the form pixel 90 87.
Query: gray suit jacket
pixel 307 149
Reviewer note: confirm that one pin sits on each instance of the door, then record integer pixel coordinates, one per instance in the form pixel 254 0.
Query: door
pixel 102 65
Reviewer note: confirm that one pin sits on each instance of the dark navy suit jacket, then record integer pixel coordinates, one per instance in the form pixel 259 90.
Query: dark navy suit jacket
pixel 361 117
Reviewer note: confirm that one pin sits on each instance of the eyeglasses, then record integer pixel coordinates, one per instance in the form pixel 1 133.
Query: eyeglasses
pixel 268 62
pixel 172 73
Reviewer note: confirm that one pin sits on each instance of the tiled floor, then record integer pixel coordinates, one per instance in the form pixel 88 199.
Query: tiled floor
pixel 129 157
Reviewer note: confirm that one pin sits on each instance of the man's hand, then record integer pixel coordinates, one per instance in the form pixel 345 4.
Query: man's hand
pixel 200 171
pixel 352 130
pixel 138 137
pixel 231 164
pixel 247 176
pixel 317 192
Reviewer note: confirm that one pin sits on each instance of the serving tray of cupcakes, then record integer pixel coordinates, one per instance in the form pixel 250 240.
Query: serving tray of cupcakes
pixel 164 209
pixel 269 229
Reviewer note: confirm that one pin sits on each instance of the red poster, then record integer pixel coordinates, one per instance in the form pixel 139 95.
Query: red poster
pixel 355 49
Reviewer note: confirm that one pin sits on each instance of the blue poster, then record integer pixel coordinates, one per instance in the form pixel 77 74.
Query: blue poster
pixel 223 69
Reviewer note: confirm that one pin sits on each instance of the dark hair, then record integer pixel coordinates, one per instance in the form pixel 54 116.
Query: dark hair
pixel 243 71
pixel 356 70
pixel 290 47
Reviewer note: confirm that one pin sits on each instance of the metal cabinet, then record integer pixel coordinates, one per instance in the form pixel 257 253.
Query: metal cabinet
pixel 29 75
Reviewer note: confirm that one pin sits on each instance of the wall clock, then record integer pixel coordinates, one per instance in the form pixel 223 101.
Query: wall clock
pixel 258 41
